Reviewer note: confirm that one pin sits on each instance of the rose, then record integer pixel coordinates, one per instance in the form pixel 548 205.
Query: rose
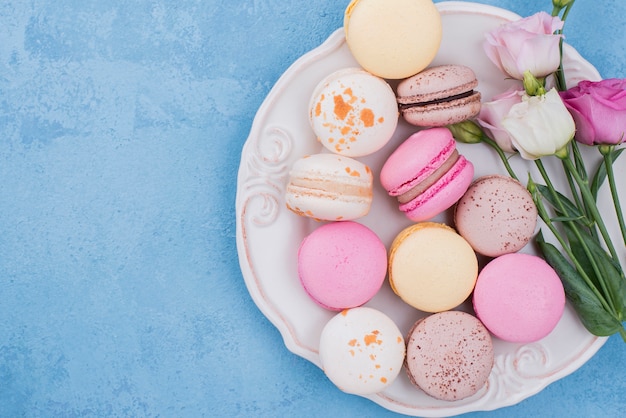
pixel 492 113
pixel 526 44
pixel 539 125
pixel 599 110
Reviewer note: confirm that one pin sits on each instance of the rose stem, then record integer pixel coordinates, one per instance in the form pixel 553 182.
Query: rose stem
pixel 608 162
pixel 574 226
pixel 591 203
pixel 543 214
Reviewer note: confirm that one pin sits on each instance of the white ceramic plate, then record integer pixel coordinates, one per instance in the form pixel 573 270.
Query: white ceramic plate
pixel 268 235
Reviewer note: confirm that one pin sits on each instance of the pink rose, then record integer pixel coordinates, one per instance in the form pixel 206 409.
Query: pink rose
pixel 526 44
pixel 599 110
pixel 491 116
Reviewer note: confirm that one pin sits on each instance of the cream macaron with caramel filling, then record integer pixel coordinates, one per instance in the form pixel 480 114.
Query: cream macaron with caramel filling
pixel 329 187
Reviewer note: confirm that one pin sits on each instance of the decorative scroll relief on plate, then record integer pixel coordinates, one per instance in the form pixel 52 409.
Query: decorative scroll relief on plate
pixel 267 173
pixel 518 372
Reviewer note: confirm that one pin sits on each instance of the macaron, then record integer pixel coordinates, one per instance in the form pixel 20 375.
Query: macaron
pixel 329 187
pixel 497 215
pixel 426 174
pixel 342 265
pixel 431 267
pixel 361 351
pixel 519 297
pixel 439 96
pixel 353 112
pixel 449 355
pixel 393 39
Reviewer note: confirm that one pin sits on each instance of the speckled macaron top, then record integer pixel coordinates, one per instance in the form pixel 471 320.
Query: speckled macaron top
pixel 496 215
pixel 449 355
pixel 353 112
pixel 361 350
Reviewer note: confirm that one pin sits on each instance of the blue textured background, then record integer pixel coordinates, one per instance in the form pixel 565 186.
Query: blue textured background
pixel 121 128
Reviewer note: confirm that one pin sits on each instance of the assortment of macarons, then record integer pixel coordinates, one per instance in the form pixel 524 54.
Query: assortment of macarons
pixel 433 267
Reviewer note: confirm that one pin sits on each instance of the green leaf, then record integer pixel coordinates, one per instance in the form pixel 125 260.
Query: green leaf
pixel 585 302
pixel 571 211
pixel 600 176
pixel 580 254
pixel 566 219
pixel 610 275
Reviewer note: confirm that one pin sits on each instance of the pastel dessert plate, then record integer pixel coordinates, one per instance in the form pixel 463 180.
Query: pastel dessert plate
pixel 268 234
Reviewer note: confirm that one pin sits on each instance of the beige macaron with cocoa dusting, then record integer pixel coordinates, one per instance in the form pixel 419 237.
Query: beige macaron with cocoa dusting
pixel 439 96
pixel 449 355
pixel 393 39
pixel 496 215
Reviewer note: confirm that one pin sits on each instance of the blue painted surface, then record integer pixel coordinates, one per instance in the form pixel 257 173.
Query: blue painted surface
pixel 121 127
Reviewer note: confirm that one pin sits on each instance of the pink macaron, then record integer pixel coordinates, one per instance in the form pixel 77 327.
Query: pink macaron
pixel 427 174
pixel 519 297
pixel 342 265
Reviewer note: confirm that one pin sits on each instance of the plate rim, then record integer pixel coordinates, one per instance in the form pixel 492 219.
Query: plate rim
pixel 333 42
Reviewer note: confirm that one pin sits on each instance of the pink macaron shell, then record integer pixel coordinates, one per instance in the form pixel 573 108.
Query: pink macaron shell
pixel 519 297
pixel 342 265
pixel 415 159
pixel 443 194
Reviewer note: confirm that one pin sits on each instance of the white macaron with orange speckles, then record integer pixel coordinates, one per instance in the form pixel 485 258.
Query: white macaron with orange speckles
pixel 361 351
pixel 353 112
pixel 329 187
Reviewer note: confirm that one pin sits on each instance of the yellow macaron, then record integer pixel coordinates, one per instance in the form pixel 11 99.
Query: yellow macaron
pixel 432 267
pixel 393 39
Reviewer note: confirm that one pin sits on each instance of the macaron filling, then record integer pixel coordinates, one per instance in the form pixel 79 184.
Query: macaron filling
pixel 454 98
pixel 327 187
pixel 448 177
pixel 426 170
pixel 429 181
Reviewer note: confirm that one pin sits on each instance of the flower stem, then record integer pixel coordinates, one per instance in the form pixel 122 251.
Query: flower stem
pixel 591 205
pixel 567 10
pixel 580 165
pixel 575 228
pixel 561 83
pixel 608 163
pixel 501 154
pixel 543 214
